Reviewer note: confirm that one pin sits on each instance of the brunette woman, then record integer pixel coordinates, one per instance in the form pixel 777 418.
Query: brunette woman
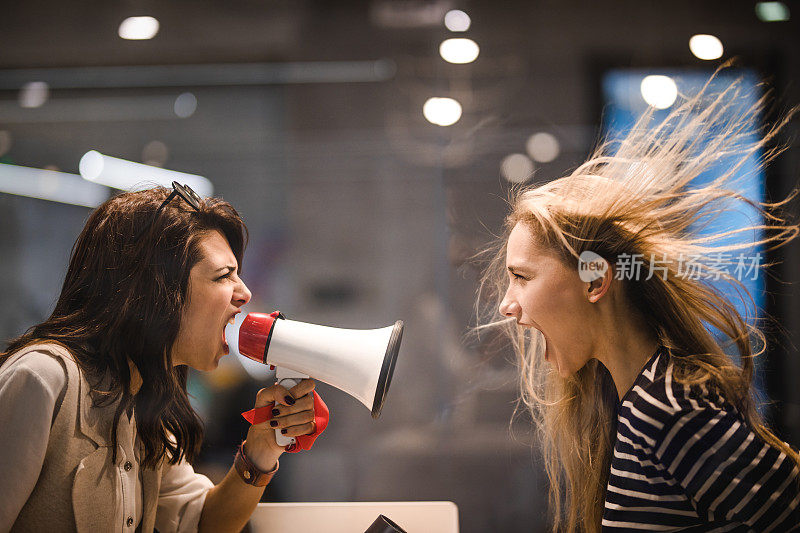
pixel 96 430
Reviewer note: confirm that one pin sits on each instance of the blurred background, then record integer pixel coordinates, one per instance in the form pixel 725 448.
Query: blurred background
pixel 370 147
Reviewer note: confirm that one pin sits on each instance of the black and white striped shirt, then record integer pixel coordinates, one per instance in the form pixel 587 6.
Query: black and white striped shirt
pixel 685 460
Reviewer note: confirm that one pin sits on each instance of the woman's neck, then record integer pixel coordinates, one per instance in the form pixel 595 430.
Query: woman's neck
pixel 626 362
pixel 624 348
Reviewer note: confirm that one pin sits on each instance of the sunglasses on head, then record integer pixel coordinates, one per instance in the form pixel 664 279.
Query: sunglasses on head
pixel 183 191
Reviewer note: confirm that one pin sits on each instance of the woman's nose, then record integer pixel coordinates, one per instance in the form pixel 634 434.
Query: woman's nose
pixel 242 295
pixel 509 307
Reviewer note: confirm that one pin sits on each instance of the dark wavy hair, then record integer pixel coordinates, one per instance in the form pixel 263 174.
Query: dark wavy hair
pixel 122 300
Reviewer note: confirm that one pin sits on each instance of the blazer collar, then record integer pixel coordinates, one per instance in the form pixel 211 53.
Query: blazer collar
pixel 96 422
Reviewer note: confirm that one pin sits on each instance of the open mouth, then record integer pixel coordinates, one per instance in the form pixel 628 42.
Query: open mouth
pixel 225 347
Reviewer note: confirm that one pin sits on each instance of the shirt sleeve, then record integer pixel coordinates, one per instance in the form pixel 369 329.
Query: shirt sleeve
pixel 727 470
pixel 30 387
pixel 181 498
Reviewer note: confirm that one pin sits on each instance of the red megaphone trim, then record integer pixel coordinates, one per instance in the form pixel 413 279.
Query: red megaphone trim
pixel 255 334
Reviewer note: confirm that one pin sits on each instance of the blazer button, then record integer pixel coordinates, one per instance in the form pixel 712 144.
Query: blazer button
pixel 128 466
pixel 129 521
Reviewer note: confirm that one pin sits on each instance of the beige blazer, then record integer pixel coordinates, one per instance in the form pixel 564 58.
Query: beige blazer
pixel 78 486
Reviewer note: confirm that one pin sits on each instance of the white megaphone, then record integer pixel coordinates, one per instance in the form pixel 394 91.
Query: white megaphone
pixel 359 362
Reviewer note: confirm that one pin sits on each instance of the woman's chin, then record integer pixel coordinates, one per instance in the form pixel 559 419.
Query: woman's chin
pixel 223 351
pixel 215 362
pixel 212 363
pixel 554 361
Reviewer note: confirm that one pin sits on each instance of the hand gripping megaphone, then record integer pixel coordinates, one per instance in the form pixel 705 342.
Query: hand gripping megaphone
pixel 359 362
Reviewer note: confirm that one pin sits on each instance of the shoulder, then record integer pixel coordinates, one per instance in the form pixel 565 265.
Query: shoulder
pixel 44 365
pixel 660 403
pixel 651 400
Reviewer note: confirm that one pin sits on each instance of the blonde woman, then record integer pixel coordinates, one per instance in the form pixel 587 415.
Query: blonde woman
pixel 645 423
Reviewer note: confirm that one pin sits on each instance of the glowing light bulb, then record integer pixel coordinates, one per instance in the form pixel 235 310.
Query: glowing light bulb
pixel 457 20
pixel 772 11
pixel 442 111
pixel 659 91
pixel 138 28
pixel 34 94
pixel 185 105
pixel 516 168
pixel 459 51
pixel 705 47
pixel 542 147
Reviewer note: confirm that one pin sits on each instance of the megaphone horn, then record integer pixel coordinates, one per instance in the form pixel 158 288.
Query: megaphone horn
pixel 359 362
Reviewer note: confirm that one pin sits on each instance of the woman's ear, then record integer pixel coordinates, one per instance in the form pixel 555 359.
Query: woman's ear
pixel 595 271
pixel 598 287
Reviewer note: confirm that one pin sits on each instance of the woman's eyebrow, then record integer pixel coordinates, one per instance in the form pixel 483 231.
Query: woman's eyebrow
pixel 229 268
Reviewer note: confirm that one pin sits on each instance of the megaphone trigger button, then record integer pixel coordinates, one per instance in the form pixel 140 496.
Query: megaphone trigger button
pixel 272 367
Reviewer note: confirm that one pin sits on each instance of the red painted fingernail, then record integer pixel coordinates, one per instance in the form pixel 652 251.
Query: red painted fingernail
pixel 273 423
pixel 289 400
pixel 275 412
pixel 283 431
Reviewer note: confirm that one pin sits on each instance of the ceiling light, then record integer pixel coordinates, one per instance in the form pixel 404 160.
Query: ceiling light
pixel 442 111
pixel 138 28
pixel 459 51
pixel 659 91
pixel 130 176
pixel 51 185
pixel 155 154
pixel 185 105
pixel 542 147
pixel 34 94
pixel 516 168
pixel 705 47
pixel 457 20
pixel 772 11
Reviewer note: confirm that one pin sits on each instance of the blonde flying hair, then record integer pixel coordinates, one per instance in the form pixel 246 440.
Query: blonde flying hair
pixel 635 196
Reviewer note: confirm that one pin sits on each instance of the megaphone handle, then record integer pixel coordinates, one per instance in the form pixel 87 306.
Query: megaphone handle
pixel 287 379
